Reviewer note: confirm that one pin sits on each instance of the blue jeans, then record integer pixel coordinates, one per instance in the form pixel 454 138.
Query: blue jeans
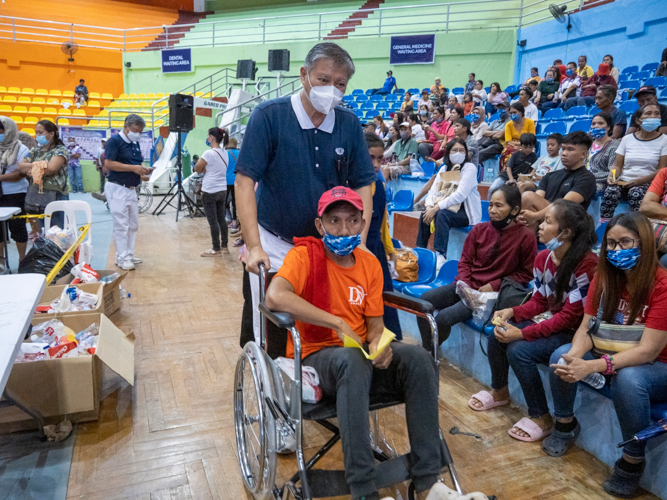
pixel 570 103
pixel 586 101
pixel 75 178
pixel 444 221
pixel 632 389
pixel 524 356
pixel 451 311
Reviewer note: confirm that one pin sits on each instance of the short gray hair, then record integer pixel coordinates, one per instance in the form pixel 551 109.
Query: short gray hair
pixel 133 119
pixel 333 51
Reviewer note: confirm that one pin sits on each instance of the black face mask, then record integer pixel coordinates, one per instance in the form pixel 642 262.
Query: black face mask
pixel 503 223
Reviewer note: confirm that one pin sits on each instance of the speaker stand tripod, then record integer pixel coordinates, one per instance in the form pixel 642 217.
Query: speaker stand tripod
pixel 176 191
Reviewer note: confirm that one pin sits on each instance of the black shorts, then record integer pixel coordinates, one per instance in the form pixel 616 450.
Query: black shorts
pixel 16 226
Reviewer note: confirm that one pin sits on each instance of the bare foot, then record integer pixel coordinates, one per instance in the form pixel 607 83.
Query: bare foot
pixel 545 423
pixel 498 395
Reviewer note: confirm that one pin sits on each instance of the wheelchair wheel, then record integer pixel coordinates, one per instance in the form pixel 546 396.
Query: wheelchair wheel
pixel 388 436
pixel 254 424
pixel 145 197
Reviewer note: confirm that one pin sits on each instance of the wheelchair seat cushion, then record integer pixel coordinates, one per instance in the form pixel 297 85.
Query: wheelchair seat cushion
pixel 326 408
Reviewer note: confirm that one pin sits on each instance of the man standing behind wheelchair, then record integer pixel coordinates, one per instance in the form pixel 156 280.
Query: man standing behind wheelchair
pixel 333 288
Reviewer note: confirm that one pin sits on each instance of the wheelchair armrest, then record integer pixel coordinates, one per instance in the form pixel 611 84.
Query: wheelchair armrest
pixel 280 319
pixel 406 303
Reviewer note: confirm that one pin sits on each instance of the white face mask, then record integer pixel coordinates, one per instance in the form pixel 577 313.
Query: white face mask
pixel 134 136
pixel 457 158
pixel 324 98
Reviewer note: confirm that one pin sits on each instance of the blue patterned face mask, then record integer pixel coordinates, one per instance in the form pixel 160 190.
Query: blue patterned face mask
pixel 474 117
pixel 341 245
pixel 502 112
pixel 624 259
pixel 208 143
pixel 569 72
pixel 597 133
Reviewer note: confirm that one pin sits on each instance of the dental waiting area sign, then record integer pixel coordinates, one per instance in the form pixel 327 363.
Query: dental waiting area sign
pixel 414 49
pixel 177 61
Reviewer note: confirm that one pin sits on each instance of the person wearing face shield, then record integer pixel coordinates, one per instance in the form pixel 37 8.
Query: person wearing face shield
pixel 295 148
pixel 123 158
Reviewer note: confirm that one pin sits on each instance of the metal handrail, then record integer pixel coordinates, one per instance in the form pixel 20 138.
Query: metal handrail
pixel 314 25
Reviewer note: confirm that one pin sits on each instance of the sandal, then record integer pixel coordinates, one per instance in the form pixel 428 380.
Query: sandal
pixel 623 484
pixel 210 253
pixel 487 401
pixel 559 442
pixel 534 431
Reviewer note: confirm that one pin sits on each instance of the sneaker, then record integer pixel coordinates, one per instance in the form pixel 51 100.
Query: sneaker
pixel 127 265
pixel 224 251
pixel 238 243
pixel 211 253
pixel 137 260
pixel 441 259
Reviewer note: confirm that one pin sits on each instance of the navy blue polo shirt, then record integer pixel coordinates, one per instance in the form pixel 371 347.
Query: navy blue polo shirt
pixel 128 153
pixel 295 166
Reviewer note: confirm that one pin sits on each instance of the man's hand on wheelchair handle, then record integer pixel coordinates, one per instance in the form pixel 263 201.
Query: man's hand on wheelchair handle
pixel 383 360
pixel 257 256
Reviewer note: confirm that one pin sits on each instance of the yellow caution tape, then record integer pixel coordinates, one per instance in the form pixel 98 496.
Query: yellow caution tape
pixel 61 263
pixel 41 216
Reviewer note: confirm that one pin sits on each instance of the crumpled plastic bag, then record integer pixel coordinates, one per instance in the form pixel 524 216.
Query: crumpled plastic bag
pixel 310 388
pixel 42 258
pixel 481 303
pixel 58 432
pixel 64 238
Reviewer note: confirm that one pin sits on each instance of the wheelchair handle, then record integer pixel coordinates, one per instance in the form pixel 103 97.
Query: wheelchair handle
pixel 263 278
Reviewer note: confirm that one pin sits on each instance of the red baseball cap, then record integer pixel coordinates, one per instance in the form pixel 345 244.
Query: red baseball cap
pixel 339 193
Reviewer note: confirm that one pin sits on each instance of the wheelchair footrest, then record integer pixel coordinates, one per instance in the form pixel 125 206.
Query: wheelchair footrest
pixel 330 483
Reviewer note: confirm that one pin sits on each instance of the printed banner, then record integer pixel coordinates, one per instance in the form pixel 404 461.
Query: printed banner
pixel 88 140
pixel 145 143
pixel 177 61
pixel 412 49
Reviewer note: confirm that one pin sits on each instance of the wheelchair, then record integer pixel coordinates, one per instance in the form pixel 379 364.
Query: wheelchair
pixel 269 415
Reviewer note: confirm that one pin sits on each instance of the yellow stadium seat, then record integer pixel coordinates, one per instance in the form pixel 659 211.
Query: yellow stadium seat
pixel 31 120
pixel 25 99
pixel 94 104
pixel 63 101
pixel 53 100
pixel 132 96
pixel 123 104
pixel 68 93
pixel 56 93
pixel 48 119
pixel 103 112
pixel 17 119
pixel 14 90
pixel 144 104
pixel 78 112
pixel 50 111
pixel 20 109
pixel 199 94
pixel 117 123
pixel 28 90
pixel 38 100
pixel 159 95
pixel 3 90
pixel 107 95
pixel 159 123
pixel 5 108
pixel 133 104
pixel 94 95
pixel 35 109
pixel 9 98
pixel 122 96
pixel 41 92
pixel 64 112
pixel 63 121
pixel 150 95
pixel 141 96
pixel 92 123
pixel 29 130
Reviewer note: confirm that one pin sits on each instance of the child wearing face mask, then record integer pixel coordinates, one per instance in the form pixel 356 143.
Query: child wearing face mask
pixel 520 163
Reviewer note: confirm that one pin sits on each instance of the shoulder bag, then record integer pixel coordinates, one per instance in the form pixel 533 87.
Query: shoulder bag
pixel 198 185
pixel 446 184
pixel 609 338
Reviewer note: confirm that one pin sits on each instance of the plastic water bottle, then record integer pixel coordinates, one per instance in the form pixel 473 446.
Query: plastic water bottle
pixel 595 380
pixel 124 294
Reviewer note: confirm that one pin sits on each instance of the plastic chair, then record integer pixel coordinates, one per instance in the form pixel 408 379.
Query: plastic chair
pixel 391 98
pixel 402 202
pixel 446 276
pixel 370 114
pixel 642 75
pixel 458 90
pixel 348 98
pixel 399 92
pixel 369 92
pixel 359 113
pixel 599 231
pixel 623 78
pixel 510 88
pixel 630 69
pixel 582 125
pixel 573 112
pixel 362 98
pixel 630 84
pixel 426 274
pixel 494 117
pixel 593 111
pixel 485 211
pixel 366 106
pixel 629 107
pixel 553 114
pixel 396 243
pixel 357 92
pixel 71 207
pixel 657 81
pixel 663 94
pixel 413 90
pixel 429 168
pixel 650 66
pixel 553 128
pixel 382 106
pixel 377 98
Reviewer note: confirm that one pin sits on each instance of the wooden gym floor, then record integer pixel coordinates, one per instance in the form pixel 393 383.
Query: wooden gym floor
pixel 172 435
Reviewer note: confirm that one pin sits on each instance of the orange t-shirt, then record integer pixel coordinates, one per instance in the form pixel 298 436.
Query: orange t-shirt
pixel 356 293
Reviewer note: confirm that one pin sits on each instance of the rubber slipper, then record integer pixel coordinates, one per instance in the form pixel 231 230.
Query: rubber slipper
pixel 623 484
pixel 487 401
pixel 534 431
pixel 559 442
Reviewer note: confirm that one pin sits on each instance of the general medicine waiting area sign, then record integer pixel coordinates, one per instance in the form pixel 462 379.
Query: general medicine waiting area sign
pixel 413 49
pixel 176 61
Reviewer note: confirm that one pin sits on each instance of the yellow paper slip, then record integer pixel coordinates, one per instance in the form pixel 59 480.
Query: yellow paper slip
pixel 385 340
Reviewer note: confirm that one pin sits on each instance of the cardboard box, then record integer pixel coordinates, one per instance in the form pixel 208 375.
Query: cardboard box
pixel 69 387
pixel 110 293
pixel 54 292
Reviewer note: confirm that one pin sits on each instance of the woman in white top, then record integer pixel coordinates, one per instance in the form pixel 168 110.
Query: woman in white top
pixel 416 127
pixel 478 123
pixel 461 208
pixel 638 159
pixel 213 163
pixel 613 70
pixel 479 94
pixel 14 184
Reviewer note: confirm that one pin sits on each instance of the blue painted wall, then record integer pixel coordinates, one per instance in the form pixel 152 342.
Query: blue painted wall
pixel 634 32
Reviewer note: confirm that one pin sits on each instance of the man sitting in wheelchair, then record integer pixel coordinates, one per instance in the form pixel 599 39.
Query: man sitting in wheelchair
pixel 332 288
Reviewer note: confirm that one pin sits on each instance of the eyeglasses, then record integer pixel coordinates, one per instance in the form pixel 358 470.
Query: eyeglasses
pixel 623 243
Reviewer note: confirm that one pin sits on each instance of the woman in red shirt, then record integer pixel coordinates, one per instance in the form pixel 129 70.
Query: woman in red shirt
pixel 547 321
pixel 629 288
pixel 438 134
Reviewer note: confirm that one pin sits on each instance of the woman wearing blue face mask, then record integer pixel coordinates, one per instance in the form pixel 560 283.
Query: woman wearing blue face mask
pixel 547 321
pixel 603 151
pixel 629 288
pixel 639 157
pixel 52 150
pixel 517 125
pixel 569 90
pixel 547 88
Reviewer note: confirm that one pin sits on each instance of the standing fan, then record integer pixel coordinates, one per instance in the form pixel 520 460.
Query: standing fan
pixel 69 49
pixel 559 14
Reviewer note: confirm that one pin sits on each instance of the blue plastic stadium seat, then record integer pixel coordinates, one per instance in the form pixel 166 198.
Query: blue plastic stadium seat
pixel 348 98
pixel 369 92
pixel 446 276
pixel 382 106
pixel 429 168
pixel 553 128
pixel 553 115
pixel 593 111
pixel 402 202
pixel 538 128
pixel 650 66
pixel 630 69
pixel 370 114
pixel 391 98
pixel 623 78
pixel 599 231
pixel 642 75
pixel 657 81
pixel 487 89
pixel 361 98
pixel 413 90
pixel 494 117
pixel 630 84
pixel 629 107
pixel 399 91
pixel 574 112
pixel 376 98
pixel 458 90
pixel 427 89
pixel 426 274
pixel 386 115
pixel 366 106
pixel 359 113
pixel 583 125
pixel 510 88
pixel 396 243
pixel 357 92
pixel 485 211
pixel 488 331
pixel 396 107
